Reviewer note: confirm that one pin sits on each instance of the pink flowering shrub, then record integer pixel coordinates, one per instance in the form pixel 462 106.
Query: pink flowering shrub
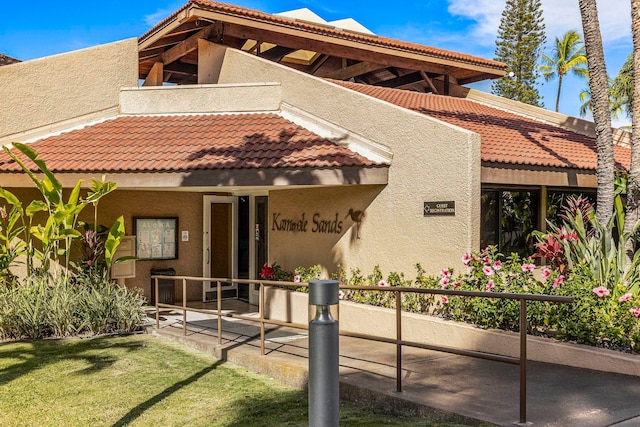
pixel 601 315
pixel 377 280
pixel 597 316
pixel 489 271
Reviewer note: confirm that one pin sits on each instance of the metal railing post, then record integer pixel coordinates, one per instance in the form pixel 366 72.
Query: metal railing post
pixel 156 303
pixel 261 311
pixel 219 312
pixel 398 343
pixel 523 361
pixel 184 307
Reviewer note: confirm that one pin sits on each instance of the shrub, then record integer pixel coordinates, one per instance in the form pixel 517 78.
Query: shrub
pixel 599 316
pixel 28 306
pixel 110 308
pixel 42 307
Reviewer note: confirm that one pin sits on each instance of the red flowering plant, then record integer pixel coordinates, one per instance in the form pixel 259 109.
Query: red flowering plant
pixel 275 272
pixel 267 272
pixel 551 249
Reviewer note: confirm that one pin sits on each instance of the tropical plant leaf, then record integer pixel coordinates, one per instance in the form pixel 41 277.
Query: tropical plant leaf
pixel 36 206
pixel 75 194
pixel 98 189
pixel 54 186
pixel 10 197
pixel 116 233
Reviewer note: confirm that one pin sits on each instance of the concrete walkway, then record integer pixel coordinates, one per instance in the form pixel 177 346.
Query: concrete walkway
pixel 445 387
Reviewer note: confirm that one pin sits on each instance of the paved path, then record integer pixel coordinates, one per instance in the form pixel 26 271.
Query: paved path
pixel 445 387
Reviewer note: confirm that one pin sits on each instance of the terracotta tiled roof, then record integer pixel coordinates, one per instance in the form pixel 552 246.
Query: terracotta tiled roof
pixel 332 32
pixel 189 142
pixel 505 137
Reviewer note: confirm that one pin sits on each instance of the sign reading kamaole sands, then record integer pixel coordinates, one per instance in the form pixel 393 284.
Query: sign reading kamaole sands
pixel 330 225
pixel 439 208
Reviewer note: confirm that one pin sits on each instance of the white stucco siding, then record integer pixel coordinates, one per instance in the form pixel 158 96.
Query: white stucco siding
pixel 432 161
pixel 58 88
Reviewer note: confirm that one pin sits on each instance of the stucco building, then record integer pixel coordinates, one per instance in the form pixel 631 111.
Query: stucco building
pixel 283 138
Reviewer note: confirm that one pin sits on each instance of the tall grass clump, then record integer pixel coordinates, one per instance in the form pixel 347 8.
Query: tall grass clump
pixel 40 307
pixel 107 308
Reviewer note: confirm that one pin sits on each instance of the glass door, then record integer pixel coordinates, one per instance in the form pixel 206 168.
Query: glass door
pixel 220 237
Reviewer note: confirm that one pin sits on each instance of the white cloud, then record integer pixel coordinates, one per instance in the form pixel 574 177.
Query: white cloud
pixel 486 14
pixel 154 18
pixel 559 17
pixel 614 17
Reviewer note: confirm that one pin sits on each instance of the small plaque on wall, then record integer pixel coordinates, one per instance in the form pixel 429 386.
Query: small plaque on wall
pixel 156 238
pixel 440 208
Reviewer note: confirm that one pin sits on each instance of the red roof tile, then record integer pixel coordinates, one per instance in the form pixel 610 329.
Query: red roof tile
pixel 189 142
pixel 505 137
pixel 332 32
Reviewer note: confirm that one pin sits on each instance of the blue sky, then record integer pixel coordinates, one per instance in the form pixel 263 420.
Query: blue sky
pixel 40 28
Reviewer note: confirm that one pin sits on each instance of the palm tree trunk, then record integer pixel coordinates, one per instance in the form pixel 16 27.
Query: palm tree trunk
pixel 633 184
pixel 559 88
pixel 601 114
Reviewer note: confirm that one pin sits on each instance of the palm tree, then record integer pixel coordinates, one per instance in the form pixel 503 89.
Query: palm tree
pixel 615 105
pixel 601 113
pixel 622 85
pixel 633 183
pixel 568 56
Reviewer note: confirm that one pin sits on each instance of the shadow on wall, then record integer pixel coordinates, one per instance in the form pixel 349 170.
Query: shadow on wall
pixel 321 226
pixel 292 157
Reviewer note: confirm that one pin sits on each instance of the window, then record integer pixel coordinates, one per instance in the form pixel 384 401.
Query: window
pixel 556 201
pixel 508 218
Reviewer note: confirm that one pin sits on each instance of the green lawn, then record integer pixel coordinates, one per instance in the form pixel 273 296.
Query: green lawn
pixel 145 380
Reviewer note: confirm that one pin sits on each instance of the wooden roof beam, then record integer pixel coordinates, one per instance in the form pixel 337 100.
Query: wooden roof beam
pixel 276 53
pixel 429 82
pixel 155 76
pixel 189 27
pixel 333 49
pixel 255 47
pixel 406 80
pixel 473 79
pixel 150 54
pixel 319 63
pixel 168 40
pixel 182 68
pixel 354 70
pixel 190 44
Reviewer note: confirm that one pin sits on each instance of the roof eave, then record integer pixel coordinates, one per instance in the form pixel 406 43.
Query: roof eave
pixel 220 179
pixel 479 67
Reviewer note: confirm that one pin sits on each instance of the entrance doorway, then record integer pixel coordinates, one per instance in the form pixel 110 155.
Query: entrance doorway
pixel 234 244
pixel 219 239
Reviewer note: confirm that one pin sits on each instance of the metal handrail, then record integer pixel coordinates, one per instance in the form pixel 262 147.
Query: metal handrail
pixel 398 341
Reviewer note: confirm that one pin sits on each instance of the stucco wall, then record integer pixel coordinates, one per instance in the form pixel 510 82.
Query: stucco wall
pixel 186 206
pixel 432 161
pixel 200 99
pixel 61 87
pixel 329 232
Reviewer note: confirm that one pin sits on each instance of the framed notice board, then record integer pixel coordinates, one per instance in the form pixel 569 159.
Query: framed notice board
pixel 156 238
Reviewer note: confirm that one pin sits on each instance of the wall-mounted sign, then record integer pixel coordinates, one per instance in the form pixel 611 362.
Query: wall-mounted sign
pixel 316 224
pixel 156 238
pixel 439 208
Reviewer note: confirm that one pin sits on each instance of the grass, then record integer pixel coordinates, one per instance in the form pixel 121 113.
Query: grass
pixel 142 380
